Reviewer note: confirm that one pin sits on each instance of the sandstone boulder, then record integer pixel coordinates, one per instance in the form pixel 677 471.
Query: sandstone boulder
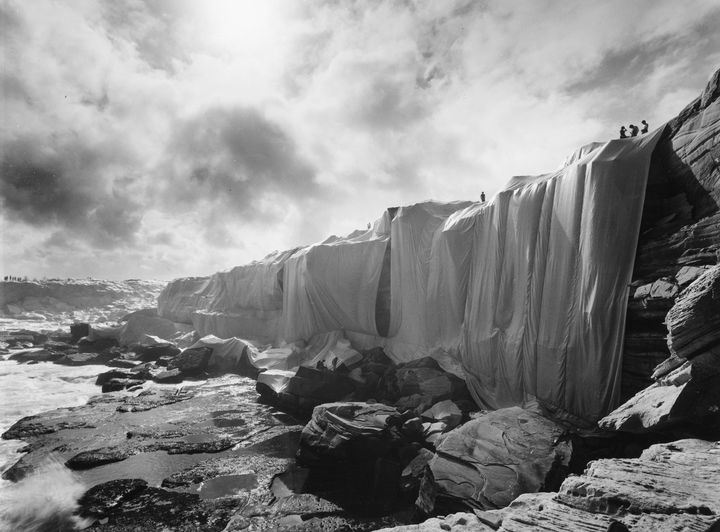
pixel 490 460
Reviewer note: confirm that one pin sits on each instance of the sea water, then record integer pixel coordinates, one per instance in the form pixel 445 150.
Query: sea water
pixel 49 496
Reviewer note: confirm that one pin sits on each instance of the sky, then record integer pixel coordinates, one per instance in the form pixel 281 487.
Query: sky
pixel 171 138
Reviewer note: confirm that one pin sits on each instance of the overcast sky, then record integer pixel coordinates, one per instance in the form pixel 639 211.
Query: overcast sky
pixel 166 138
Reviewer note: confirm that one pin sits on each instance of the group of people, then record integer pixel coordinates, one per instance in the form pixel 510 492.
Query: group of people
pixel 634 130
pixel 14 278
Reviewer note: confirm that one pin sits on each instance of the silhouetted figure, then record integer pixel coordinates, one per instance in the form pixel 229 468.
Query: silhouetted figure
pixel 634 130
pixel 623 132
pixel 482 197
pixel 645 127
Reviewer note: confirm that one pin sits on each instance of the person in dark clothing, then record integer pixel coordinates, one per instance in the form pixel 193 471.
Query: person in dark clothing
pixel 482 197
pixel 645 127
pixel 634 130
pixel 623 132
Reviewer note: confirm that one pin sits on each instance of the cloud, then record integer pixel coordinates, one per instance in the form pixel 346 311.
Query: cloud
pixel 231 158
pixel 178 137
pixel 55 185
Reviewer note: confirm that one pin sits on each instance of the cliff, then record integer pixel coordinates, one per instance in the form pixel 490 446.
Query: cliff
pixel 524 295
pixel 680 231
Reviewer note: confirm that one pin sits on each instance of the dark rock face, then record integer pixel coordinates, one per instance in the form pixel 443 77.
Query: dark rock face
pixel 492 459
pixel 96 457
pixel 191 362
pixel 123 504
pixel 680 233
pixel 694 321
pixel 78 330
pixel 154 352
pixel 686 393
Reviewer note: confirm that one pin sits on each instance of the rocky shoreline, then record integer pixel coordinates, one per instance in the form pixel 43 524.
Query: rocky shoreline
pixel 214 450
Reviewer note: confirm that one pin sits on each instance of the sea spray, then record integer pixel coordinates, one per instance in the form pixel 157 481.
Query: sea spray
pixel 44 501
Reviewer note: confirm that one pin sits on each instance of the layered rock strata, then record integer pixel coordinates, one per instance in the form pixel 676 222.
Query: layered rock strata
pixel 680 234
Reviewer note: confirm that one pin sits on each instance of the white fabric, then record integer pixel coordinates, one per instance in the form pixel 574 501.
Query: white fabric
pixel 547 296
pixel 414 230
pixel 333 285
pixel 251 286
pixel 526 292
pixel 181 297
pixel 261 326
pixel 232 351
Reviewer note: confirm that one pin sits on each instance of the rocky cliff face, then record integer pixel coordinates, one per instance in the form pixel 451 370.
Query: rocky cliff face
pixel 680 235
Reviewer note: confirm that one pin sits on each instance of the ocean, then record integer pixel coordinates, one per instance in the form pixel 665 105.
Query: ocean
pixel 49 496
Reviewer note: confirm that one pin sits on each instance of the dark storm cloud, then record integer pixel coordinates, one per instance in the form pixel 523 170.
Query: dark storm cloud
pixel 234 157
pixel 55 186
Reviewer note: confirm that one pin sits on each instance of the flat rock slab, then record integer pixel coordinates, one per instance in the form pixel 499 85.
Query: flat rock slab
pixel 177 421
pixel 678 477
pixel 130 504
pixel 458 522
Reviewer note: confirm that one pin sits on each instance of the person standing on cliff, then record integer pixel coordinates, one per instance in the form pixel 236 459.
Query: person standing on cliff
pixel 623 132
pixel 634 130
pixel 482 197
pixel 644 128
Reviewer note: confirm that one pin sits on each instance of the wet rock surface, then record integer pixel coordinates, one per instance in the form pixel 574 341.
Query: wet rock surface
pixel 133 505
pixel 202 457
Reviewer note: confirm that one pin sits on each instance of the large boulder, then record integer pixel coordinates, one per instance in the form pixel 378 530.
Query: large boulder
pixel 191 362
pixel 687 398
pixel 492 459
pixel 349 432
